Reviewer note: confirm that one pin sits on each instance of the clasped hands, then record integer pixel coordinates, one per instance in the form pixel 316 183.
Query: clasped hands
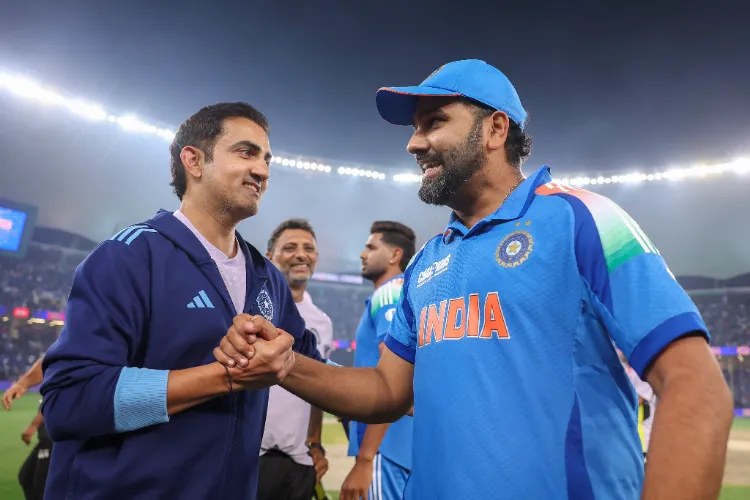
pixel 256 353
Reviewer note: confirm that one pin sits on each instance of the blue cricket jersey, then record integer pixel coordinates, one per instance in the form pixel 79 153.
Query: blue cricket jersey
pixel 145 302
pixel 373 327
pixel 519 392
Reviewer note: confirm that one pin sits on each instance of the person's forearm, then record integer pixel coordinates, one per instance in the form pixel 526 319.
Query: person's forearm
pixel 193 386
pixel 147 397
pixel 315 427
pixel 359 394
pixel 688 446
pixel 374 435
pixel 34 375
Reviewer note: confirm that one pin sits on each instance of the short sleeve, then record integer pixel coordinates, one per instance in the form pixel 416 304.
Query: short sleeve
pixel 635 294
pixel 401 337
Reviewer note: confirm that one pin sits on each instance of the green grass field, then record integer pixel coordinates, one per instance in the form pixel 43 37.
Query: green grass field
pixel 13 451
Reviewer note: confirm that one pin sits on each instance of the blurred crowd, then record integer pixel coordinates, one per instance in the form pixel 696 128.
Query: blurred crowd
pixel 726 316
pixel 42 280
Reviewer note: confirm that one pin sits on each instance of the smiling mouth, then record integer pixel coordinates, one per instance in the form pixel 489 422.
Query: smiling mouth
pixel 430 170
pixel 255 187
pixel 426 167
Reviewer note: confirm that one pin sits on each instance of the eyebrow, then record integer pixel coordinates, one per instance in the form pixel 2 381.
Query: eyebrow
pixel 255 148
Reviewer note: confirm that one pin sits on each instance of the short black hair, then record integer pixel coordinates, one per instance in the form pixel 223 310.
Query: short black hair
pixel 302 224
pixel 397 235
pixel 202 130
pixel 518 142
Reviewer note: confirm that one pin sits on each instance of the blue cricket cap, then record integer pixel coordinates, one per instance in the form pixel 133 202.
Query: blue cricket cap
pixel 470 78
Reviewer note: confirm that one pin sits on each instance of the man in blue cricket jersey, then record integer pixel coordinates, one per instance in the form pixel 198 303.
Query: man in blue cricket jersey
pixel 506 322
pixel 382 451
pixel 132 396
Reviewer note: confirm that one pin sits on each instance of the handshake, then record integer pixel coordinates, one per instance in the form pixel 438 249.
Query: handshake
pixel 255 353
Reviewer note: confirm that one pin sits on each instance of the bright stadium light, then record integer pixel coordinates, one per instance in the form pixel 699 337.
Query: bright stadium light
pixel 28 89
pixel 739 165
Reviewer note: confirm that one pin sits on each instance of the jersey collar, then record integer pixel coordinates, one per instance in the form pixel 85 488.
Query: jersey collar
pixel 513 208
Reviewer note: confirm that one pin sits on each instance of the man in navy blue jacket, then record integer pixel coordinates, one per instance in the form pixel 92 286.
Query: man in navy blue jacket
pixel 132 396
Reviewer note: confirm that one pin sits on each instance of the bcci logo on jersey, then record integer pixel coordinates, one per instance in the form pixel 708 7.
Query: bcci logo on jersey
pixel 265 305
pixel 435 269
pixel 515 249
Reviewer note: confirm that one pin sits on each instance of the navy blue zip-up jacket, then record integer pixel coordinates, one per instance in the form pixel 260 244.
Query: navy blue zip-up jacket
pixel 144 302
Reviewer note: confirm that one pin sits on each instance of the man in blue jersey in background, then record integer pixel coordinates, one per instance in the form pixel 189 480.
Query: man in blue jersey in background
pixel 132 396
pixel 506 322
pixel 382 451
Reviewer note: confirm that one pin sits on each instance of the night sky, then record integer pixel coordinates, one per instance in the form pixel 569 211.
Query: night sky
pixel 607 86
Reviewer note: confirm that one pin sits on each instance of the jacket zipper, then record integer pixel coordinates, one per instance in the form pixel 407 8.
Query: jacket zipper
pixel 233 428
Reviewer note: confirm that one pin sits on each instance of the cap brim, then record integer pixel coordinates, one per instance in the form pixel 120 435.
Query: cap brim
pixel 397 104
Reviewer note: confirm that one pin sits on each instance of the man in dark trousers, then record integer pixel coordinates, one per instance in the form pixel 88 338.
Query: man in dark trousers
pixel 33 474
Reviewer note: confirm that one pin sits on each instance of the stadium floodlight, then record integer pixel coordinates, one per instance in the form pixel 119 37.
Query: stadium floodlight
pixel 29 89
pixel 87 110
pixel 26 88
pixel 739 165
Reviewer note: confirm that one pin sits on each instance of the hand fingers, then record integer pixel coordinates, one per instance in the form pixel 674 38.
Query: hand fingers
pixel 230 352
pixel 282 343
pixel 9 396
pixel 223 358
pixel 239 325
pixel 238 322
pixel 239 342
pixel 261 327
pixel 321 467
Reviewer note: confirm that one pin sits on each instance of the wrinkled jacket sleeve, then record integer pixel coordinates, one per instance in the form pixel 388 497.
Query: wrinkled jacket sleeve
pixel 86 392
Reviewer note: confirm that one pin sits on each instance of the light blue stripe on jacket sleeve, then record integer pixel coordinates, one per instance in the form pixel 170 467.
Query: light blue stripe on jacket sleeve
pixel 140 398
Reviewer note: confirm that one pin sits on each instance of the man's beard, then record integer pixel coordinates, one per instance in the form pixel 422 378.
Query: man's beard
pixel 372 275
pixel 459 164
pixel 238 211
pixel 296 281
